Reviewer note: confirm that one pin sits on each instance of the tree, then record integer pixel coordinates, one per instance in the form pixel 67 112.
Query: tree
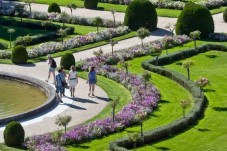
pixel 45 24
pixel 167 41
pixel 113 13
pixel 98 53
pixel 171 28
pixel 185 104
pixel 113 104
pixel 19 10
pixel 72 6
pixel 24 40
pixel 98 22
pixel 146 77
pixel 141 117
pixel 156 51
pixel 133 138
pixel 63 121
pixel 125 65
pixel 142 33
pixel 29 2
pixel 10 31
pixel 62 33
pixel 187 64
pixel 201 83
pixel 112 43
pixel 64 17
pixel 195 35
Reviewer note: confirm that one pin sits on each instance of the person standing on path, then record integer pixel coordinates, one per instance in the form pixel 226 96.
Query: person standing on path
pixel 91 80
pixel 52 67
pixel 72 80
pixel 59 86
pixel 63 76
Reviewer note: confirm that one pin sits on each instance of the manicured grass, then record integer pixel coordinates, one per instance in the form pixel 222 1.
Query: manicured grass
pixel 168 109
pixel 210 133
pixel 173 13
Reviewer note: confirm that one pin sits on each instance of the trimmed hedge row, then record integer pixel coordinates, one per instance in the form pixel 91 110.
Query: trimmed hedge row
pixel 180 124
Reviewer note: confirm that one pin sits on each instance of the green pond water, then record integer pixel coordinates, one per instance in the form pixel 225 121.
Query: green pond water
pixel 17 97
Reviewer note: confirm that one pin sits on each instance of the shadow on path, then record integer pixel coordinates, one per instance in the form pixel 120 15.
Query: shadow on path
pixel 160 32
pixel 74 106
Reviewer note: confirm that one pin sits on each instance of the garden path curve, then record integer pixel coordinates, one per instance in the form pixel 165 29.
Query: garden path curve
pixel 84 107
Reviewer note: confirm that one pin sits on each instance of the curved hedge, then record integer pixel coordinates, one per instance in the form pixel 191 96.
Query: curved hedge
pixel 54 7
pixel 141 13
pixel 195 113
pixel 195 17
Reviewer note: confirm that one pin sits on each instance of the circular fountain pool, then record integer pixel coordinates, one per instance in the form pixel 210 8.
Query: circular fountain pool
pixel 23 96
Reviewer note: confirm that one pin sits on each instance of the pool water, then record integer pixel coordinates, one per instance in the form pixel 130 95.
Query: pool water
pixel 17 97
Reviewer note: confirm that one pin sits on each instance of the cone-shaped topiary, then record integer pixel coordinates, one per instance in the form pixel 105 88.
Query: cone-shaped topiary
pixel 195 17
pixel 225 15
pixel 67 60
pixel 91 4
pixel 54 7
pixel 141 13
pixel 14 134
pixel 19 55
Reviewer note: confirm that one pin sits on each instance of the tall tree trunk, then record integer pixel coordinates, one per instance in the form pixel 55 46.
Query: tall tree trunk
pixel 113 114
pixel 10 40
pixel 141 128
pixel 188 74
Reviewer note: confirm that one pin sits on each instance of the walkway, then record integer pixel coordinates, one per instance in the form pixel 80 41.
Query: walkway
pixel 84 107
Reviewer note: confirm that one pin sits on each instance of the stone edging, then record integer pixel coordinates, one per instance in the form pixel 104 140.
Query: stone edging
pixel 49 91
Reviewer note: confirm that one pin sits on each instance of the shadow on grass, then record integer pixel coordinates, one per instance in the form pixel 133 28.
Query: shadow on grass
pixel 78 146
pixel 203 129
pixel 208 90
pixel 100 8
pixel 220 109
pixel 162 148
pixel 179 63
pixel 163 101
pixel 211 56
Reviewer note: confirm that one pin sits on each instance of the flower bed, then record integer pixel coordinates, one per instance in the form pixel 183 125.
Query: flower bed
pixel 39 15
pixel 77 41
pixel 144 100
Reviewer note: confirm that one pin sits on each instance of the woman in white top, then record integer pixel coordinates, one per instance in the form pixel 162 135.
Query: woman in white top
pixel 72 80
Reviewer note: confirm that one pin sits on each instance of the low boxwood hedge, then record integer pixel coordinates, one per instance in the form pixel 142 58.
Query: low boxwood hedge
pixel 194 114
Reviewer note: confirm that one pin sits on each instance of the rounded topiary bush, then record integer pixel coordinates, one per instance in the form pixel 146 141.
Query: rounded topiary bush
pixel 225 15
pixel 195 17
pixel 14 134
pixel 19 55
pixel 91 4
pixel 54 7
pixel 67 60
pixel 141 13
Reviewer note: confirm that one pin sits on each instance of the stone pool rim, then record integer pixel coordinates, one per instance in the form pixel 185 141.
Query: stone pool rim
pixel 42 85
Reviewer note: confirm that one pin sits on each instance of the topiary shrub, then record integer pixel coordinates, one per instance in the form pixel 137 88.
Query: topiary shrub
pixel 141 13
pixel 54 7
pixel 14 134
pixel 91 4
pixel 195 17
pixel 225 15
pixel 67 60
pixel 19 55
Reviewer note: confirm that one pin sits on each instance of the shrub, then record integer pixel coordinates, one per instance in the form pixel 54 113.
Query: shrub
pixel 141 13
pixel 195 17
pixel 19 55
pixel 67 60
pixel 3 45
pixel 91 4
pixel 14 134
pixel 54 7
pixel 225 15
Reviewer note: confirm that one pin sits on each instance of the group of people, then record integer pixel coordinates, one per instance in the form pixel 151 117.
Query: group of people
pixel 72 80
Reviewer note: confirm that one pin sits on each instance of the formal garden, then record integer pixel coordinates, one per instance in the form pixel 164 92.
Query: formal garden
pixel 165 94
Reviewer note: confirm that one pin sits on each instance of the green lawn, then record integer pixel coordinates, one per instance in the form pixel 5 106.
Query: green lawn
pixel 168 109
pixel 210 133
pixel 122 8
